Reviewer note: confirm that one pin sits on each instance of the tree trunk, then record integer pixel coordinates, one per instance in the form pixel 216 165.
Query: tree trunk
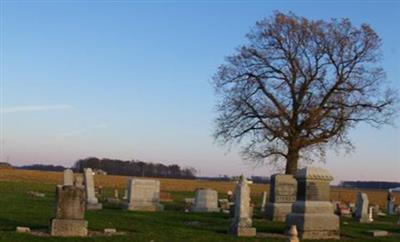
pixel 292 161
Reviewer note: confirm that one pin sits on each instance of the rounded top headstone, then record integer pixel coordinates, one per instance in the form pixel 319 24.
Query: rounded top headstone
pixel 316 173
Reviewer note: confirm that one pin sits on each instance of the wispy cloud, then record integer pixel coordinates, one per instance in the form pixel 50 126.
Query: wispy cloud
pixel 33 108
pixel 81 131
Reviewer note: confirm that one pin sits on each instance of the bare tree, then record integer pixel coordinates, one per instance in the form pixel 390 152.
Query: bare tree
pixel 298 86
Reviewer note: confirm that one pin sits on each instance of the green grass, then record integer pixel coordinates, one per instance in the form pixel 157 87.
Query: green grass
pixel 18 209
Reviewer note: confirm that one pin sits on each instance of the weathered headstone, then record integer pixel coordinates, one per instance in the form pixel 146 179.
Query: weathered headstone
pixel 242 223
pixel 116 195
pixel 78 181
pixel 362 203
pixel 282 196
pixel 70 211
pixel 312 213
pixel 125 197
pixel 91 201
pixel 390 203
pixel 206 200
pixel 144 195
pixel 68 177
pixel 263 201
pixel 370 215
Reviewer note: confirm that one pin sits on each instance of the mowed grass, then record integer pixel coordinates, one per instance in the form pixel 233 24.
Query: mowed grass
pixel 19 209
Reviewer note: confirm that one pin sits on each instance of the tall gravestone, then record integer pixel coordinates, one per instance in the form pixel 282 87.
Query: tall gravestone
pixel 91 201
pixel 313 213
pixel 263 201
pixel 206 200
pixel 242 223
pixel 68 177
pixel 144 195
pixel 390 203
pixel 70 211
pixel 362 204
pixel 282 195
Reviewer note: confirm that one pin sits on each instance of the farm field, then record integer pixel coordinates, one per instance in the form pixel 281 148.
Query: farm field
pixel 181 185
pixel 19 209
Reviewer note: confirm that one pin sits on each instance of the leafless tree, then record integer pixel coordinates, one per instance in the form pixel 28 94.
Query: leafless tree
pixel 298 86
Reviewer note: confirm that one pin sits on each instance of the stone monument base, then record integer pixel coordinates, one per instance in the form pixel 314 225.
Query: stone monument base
pixel 68 227
pixel 94 206
pixel 363 220
pixel 243 231
pixel 278 211
pixel 314 220
pixel 149 208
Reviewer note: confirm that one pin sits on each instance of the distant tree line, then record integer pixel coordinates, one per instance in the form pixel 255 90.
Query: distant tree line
pixel 254 179
pixel 40 167
pixel 370 184
pixel 135 168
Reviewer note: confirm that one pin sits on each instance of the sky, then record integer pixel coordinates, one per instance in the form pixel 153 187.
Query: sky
pixel 132 80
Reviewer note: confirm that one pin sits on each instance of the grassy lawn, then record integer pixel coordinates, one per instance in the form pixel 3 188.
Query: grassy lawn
pixel 18 209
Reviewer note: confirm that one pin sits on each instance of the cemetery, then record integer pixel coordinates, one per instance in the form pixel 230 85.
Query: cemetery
pixel 63 211
pixel 289 87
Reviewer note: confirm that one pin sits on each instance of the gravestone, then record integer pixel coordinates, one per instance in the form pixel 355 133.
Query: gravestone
pixel 263 201
pixel 282 196
pixel 144 195
pixel 70 211
pixel 116 194
pixel 78 181
pixel 390 203
pixel 362 203
pixel 206 200
pixel 91 201
pixel 312 213
pixel 242 223
pixel 125 197
pixel 68 177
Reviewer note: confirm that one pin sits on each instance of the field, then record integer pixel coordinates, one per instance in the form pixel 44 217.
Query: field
pixel 19 209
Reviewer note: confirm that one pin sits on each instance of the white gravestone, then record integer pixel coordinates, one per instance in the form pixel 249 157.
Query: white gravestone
pixel 206 200
pixel 263 201
pixel 91 201
pixel 144 195
pixel 242 223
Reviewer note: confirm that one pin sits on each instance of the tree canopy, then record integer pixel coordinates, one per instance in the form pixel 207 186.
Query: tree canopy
pixel 298 86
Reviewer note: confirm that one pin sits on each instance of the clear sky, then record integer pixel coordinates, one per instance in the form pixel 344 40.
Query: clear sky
pixel 131 79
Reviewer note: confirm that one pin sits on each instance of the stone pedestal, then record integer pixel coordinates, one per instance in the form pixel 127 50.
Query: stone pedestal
pixel 70 211
pixel 144 195
pixel 68 228
pixel 282 195
pixel 206 200
pixel 312 213
pixel 242 223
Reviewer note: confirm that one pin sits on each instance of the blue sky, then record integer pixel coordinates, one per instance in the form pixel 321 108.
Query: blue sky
pixel 131 79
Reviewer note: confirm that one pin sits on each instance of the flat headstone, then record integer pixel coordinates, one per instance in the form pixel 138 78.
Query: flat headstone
pixel 144 195
pixel 20 229
pixel 377 233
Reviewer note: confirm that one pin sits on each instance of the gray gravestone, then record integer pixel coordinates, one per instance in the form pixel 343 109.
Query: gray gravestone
pixel 144 195
pixel 312 213
pixel 282 195
pixel 242 223
pixel 70 211
pixel 68 177
pixel 91 201
pixel 206 200
pixel 362 204
pixel 390 203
